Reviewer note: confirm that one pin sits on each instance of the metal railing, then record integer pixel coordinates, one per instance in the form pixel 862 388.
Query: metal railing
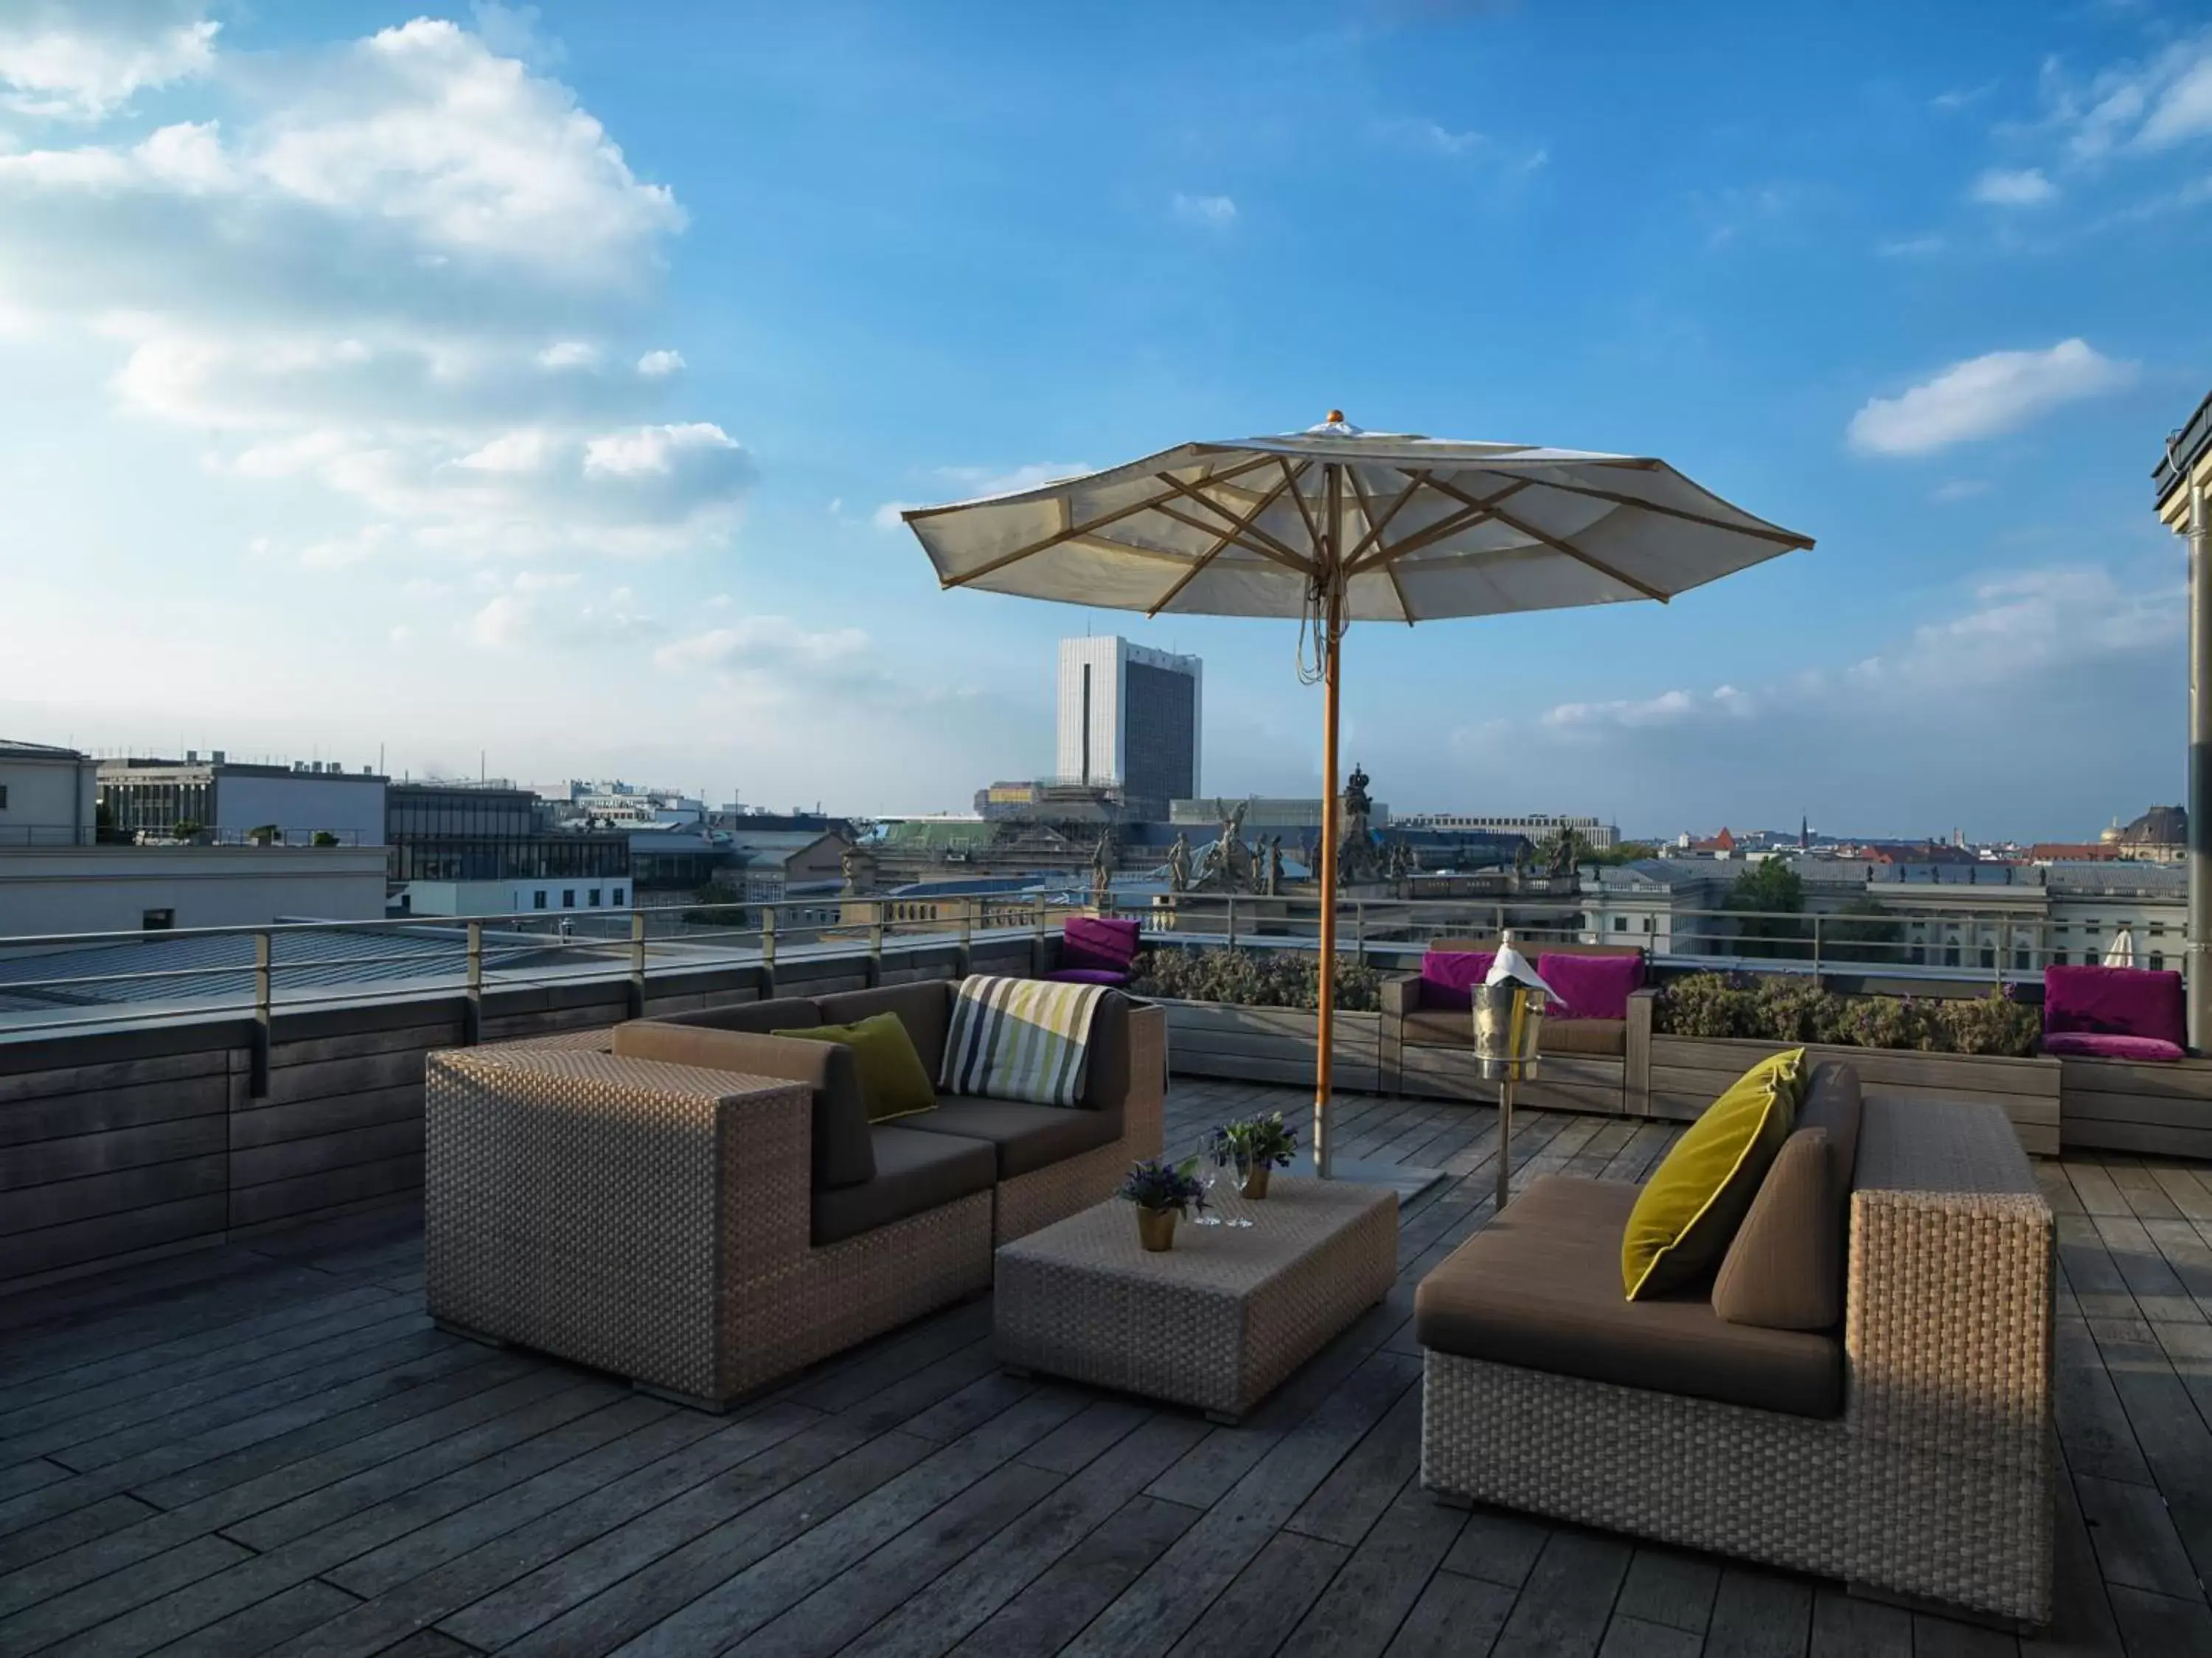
pixel 135 979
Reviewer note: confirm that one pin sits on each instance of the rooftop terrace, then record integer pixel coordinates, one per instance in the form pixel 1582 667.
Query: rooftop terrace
pixel 268 1447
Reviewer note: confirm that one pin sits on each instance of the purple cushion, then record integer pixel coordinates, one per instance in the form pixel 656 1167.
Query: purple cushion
pixel 1087 976
pixel 1107 943
pixel 2091 1044
pixel 1593 986
pixel 2114 1002
pixel 1447 977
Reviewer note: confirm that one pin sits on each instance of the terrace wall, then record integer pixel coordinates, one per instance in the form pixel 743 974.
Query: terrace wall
pixel 124 1144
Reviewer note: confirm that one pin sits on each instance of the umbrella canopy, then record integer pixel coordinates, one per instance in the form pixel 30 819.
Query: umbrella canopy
pixel 2122 953
pixel 1335 524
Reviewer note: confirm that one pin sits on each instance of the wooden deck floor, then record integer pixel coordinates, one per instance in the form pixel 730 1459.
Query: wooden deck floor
pixel 271 1449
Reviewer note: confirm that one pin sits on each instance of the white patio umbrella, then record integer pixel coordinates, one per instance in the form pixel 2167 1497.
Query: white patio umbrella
pixel 2122 951
pixel 1335 524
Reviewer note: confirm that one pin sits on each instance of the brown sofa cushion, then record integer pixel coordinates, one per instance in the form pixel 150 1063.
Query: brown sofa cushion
pixel 1832 1101
pixel 925 1009
pixel 784 1013
pixel 1540 1287
pixel 1027 1137
pixel 843 1153
pixel 1446 1028
pixel 1785 1269
pixel 914 1174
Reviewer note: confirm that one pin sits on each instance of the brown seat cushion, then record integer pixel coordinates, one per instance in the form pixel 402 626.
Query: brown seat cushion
pixel 925 1009
pixel 842 1154
pixel 1028 1137
pixel 1784 1270
pixel 1448 1027
pixel 784 1013
pixel 1832 1101
pixel 914 1174
pixel 1106 1057
pixel 1540 1287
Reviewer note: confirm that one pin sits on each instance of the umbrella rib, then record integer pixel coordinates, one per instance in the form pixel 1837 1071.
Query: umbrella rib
pixel 1222 540
pixel 1212 505
pixel 1556 544
pixel 1761 532
pixel 1253 547
pixel 1376 528
pixel 1473 513
pixel 1291 475
pixel 1074 530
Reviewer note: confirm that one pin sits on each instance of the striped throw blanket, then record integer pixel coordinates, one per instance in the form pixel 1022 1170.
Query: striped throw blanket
pixel 1019 1039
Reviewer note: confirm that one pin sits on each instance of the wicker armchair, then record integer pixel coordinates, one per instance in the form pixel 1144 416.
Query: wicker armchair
pixel 1935 1482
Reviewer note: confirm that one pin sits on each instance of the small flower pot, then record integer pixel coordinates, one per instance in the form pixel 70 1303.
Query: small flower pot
pixel 1156 1228
pixel 1256 1181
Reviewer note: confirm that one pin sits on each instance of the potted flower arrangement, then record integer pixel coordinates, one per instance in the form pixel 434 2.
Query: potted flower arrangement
pixel 1163 1192
pixel 1256 1146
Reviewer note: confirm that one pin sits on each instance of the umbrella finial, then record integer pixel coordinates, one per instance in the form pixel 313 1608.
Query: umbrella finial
pixel 1335 417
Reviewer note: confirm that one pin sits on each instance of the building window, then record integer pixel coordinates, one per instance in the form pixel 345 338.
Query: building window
pixel 540 896
pixel 2157 928
pixel 1647 923
pixel 617 898
pixel 157 921
pixel 2058 958
pixel 595 898
pixel 2157 961
pixel 1621 923
pixel 567 898
pixel 3 796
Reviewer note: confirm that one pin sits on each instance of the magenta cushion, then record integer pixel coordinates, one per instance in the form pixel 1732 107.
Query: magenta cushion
pixel 2114 1002
pixel 2090 1044
pixel 1087 976
pixel 1593 986
pixel 1449 976
pixel 1105 943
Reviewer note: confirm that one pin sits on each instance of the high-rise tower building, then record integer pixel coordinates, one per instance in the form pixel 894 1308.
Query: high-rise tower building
pixel 1129 719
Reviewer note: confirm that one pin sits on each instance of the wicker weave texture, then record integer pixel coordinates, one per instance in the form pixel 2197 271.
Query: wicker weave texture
pixel 1937 1482
pixel 1030 1201
pixel 653 1219
pixel 1217 1321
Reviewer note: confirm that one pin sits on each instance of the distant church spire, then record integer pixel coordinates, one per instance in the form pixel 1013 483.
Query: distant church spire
pixel 1805 834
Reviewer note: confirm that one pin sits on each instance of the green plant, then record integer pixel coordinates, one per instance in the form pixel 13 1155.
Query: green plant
pixel 323 837
pixel 1783 1010
pixel 1157 1184
pixel 1253 978
pixel 265 834
pixel 186 828
pixel 1766 887
pixel 1862 931
pixel 1253 1142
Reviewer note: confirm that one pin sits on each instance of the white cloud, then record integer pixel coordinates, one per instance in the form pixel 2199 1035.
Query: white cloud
pixel 2014 187
pixel 2155 104
pixel 2029 621
pixel 1984 396
pixel 84 64
pixel 569 353
pixel 1910 247
pixel 1431 136
pixel 976 484
pixel 1667 708
pixel 655 365
pixel 359 278
pixel 1214 212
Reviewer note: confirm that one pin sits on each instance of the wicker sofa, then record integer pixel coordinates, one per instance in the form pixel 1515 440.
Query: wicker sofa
pixel 706 1207
pixel 1907 1452
pixel 1428 1049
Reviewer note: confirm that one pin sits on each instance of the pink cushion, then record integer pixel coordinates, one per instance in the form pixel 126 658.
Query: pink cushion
pixel 1593 986
pixel 2114 1002
pixel 1108 943
pixel 1447 977
pixel 2089 1044
pixel 1087 976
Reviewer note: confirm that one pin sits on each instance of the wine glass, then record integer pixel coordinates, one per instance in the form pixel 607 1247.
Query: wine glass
pixel 1207 1174
pixel 1240 1167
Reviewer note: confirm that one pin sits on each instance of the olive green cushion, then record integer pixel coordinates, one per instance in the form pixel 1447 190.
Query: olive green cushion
pixel 893 1080
pixel 1689 1210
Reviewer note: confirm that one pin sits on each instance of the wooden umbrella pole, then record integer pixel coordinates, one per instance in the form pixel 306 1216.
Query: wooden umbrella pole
pixel 1331 626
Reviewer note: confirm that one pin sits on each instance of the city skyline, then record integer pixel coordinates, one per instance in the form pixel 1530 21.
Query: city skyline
pixel 536 383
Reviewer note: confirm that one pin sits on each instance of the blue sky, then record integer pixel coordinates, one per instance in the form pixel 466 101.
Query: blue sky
pixel 540 382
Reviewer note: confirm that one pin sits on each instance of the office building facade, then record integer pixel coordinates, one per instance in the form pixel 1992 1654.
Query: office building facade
pixel 1129 719
pixel 226 801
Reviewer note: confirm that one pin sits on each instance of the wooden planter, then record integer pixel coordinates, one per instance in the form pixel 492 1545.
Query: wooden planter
pixel 1687 1073
pixel 2113 1105
pixel 1270 1044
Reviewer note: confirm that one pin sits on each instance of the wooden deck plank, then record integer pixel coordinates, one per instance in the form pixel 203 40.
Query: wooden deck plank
pixel 907 1499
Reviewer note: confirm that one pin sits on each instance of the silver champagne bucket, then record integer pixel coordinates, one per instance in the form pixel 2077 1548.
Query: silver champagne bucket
pixel 1508 1018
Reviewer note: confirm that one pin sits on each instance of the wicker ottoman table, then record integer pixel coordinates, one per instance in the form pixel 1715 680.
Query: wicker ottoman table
pixel 1217 1321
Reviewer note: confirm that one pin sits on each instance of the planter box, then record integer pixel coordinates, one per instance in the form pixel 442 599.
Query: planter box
pixel 1270 1044
pixel 1687 1073
pixel 2110 1105
pixel 1565 1081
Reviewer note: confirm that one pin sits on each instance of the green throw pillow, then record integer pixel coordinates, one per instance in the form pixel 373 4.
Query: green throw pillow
pixel 1688 1212
pixel 893 1080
